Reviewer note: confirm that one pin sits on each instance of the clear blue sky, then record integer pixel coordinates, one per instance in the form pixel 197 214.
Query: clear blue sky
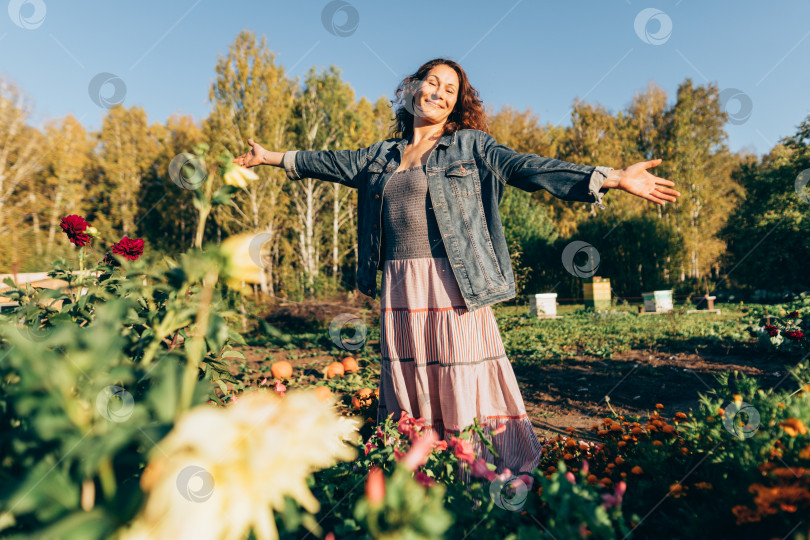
pixel 526 53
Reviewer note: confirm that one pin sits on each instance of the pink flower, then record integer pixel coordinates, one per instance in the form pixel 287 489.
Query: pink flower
pixel 280 388
pixel 585 466
pixel 423 479
pixel 419 451
pixel 398 454
pixel 526 479
pixel 463 449
pixel 500 429
pixel 369 446
pixel 570 476
pixel 616 498
pixel 263 381
pixel 479 469
pixel 440 445
pixel 410 426
pixel 375 486
pixel 505 476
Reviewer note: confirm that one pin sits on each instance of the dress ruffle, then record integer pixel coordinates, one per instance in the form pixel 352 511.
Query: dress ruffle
pixel 448 365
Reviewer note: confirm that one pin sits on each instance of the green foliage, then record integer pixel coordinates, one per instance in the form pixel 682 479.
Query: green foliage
pixel 91 376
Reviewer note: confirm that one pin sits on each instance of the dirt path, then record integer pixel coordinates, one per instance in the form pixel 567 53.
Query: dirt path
pixel 573 394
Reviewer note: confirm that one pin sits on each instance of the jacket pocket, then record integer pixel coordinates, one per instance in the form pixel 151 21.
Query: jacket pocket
pixel 463 177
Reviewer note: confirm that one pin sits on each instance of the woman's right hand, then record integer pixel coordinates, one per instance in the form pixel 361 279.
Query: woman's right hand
pixel 252 158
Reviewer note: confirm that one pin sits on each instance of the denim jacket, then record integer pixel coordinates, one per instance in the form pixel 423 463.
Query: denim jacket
pixel 467 174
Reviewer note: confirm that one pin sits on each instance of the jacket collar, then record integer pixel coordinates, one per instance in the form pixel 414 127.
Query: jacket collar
pixel 447 139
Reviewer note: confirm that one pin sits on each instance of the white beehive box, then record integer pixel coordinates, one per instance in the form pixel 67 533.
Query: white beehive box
pixel 657 301
pixel 543 305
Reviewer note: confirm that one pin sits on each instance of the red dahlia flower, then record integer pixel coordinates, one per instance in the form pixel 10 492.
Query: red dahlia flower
pixel 74 227
pixel 794 334
pixel 130 248
pixel 793 314
pixel 771 329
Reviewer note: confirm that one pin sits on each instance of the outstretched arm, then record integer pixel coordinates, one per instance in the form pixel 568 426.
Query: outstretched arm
pixel 636 180
pixel 340 166
pixel 571 181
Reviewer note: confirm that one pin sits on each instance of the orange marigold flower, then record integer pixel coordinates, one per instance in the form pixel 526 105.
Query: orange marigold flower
pixel 680 415
pixel 624 475
pixel 570 442
pixel 780 405
pixel 684 450
pixel 659 406
pixel 619 460
pixel 568 457
pixel 703 485
pixel 793 427
pixel 637 470
pixel 602 432
pixel 622 444
pixel 636 431
pixel 668 429
pixel 737 400
pixel 804 453
pixel 657 443
pixel 745 515
pixel 710 418
pixel 721 412
pixel 583 447
pixel 592 479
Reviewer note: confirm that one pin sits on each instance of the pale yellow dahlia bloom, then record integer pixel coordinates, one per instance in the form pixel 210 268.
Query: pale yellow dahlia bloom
pixel 223 470
pixel 238 176
pixel 241 252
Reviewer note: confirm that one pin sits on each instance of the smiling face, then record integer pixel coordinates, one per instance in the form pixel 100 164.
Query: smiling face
pixel 437 96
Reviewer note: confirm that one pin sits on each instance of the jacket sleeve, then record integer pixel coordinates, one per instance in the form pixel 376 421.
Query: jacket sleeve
pixel 340 166
pixel 530 172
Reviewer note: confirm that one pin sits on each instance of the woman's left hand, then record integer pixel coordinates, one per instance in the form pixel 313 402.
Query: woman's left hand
pixel 636 180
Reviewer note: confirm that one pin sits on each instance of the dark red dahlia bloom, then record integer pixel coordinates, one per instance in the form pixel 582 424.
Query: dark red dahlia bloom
pixel 131 248
pixel 794 334
pixel 771 329
pixel 793 314
pixel 74 227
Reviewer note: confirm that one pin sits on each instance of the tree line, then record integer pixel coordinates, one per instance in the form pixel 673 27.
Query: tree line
pixel 741 222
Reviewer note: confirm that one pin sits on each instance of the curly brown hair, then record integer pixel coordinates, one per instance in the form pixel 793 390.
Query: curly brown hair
pixel 468 112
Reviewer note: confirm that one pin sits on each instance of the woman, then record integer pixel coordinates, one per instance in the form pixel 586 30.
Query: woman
pixel 438 239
